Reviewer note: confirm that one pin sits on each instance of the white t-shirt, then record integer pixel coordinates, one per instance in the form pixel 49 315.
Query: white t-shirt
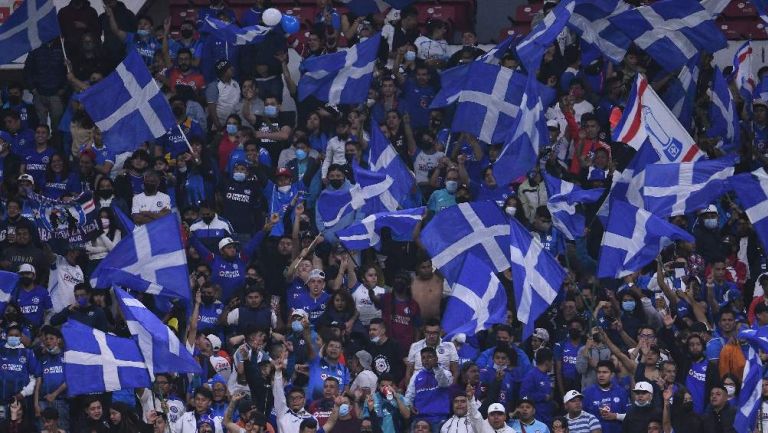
pixel 152 203
pixel 61 283
pixel 424 163
pixel 365 307
pixel 446 353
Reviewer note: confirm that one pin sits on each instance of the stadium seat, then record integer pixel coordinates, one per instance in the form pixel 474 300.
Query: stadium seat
pixel 741 28
pixel 740 9
pixel 525 13
pixel 4 13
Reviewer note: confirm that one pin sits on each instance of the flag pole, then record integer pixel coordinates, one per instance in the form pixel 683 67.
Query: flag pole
pixel 64 51
pixel 189 146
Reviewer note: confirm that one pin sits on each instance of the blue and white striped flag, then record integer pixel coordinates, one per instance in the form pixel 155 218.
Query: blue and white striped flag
pixel 536 274
pixel 680 95
pixel 743 75
pixel 489 100
pixel 628 185
pixel 154 253
pixel 681 188
pixel 531 49
pixel 750 397
pixel 97 362
pixel 467 229
pixel 477 301
pixel 762 9
pixel 8 282
pixel 562 201
pixel 127 106
pixel 526 137
pixel 752 192
pixel 374 192
pixel 672 32
pixel 383 158
pixel 632 239
pixel 343 77
pixel 367 233
pixel 233 34
pixel 723 116
pixel 31 25
pixel 598 35
pixel 162 350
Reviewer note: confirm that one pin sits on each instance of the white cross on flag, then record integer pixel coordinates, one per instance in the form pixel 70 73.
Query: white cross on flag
pixel 30 26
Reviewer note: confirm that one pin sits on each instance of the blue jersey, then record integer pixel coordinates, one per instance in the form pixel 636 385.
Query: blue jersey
pixel 314 307
pixel 209 317
pixel 295 289
pixel 16 365
pixel 430 400
pixel 103 154
pixel 229 274
pixel 173 141
pixel 566 352
pixel 319 370
pixel 51 372
pixel 695 381
pixel 416 100
pixel 510 384
pixel 614 398
pixel 36 164
pixel 252 17
pixel 279 202
pixel 60 185
pixel 537 386
pixel 22 142
pixel 34 304
pixel 145 47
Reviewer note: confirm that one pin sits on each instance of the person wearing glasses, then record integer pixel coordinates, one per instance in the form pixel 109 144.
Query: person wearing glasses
pixel 291 415
pixel 165 400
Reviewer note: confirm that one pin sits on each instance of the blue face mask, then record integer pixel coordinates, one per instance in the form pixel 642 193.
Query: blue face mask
pixel 344 410
pixel 14 341
pixel 451 186
pixel 238 176
pixel 296 326
pixel 231 129
pixel 143 33
pixel 628 305
pixel 301 154
pixel 410 56
pixel 270 111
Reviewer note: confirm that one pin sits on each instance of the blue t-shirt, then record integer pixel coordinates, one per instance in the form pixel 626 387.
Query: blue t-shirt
pixel 57 187
pixel 22 142
pixel 103 154
pixel 440 200
pixel 615 398
pixel 567 352
pixel 416 100
pixel 51 370
pixel 145 47
pixel 34 304
pixel 695 381
pixel 319 370
pixel 314 307
pixel 36 163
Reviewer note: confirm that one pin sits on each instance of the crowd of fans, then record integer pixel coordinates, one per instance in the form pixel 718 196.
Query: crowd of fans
pixel 296 334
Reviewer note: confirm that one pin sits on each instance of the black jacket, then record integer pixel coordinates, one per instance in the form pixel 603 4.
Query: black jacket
pixel 719 422
pixel 637 419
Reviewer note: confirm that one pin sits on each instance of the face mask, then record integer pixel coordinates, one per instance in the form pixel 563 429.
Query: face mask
pixel 301 154
pixel 14 100
pixel 510 210
pixel 336 183
pixel 25 281
pixel 238 176
pixel 545 226
pixel 150 189
pixel 207 300
pixel 179 111
pixel 498 367
pixel 142 33
pixel 642 403
pixel 105 193
pixel 183 169
pixel 349 157
pixel 710 223
pixel 207 219
pixel 231 129
pixel 344 410
pixel 187 33
pixel 284 189
pixel 628 305
pixel 83 301
pixel 270 111
pixel 687 406
pixel 296 326
pixel 410 56
pixel 731 390
pixel 574 334
pixel 105 222
pixel 14 341
pixel 375 340
pixel 54 351
pixel 370 102
pixel 451 186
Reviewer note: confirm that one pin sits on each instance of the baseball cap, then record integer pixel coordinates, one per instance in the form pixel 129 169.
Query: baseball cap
pixel 26 267
pixel 27 177
pixel 365 359
pixel 226 241
pixel 496 407
pixel 525 399
pixel 222 66
pixel 300 312
pixel 643 387
pixel 709 209
pixel 553 124
pixel 283 172
pixel 541 334
pixel 570 395
pixel 761 102
pixel 316 273
pixel 215 341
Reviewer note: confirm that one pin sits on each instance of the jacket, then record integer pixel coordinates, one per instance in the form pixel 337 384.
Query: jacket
pixel 480 425
pixel 187 423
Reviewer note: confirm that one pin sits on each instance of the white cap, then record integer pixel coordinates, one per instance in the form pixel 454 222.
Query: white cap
pixel 541 334
pixel 709 209
pixel 460 338
pixel 570 395
pixel 496 407
pixel 316 273
pixel 552 123
pixel 300 312
pixel 643 387
pixel 27 177
pixel 26 267
pixel 215 341
pixel 226 241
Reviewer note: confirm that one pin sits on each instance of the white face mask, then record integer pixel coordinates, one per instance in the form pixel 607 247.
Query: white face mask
pixel 731 390
pixel 510 210
pixel 710 223
pixel 284 188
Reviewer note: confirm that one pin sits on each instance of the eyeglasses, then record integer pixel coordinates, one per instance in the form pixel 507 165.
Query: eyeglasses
pixel 647 336
pixel 296 397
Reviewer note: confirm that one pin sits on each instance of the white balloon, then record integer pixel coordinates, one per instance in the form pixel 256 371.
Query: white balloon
pixel 271 17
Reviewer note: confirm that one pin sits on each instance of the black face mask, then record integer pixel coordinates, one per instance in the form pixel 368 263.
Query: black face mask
pixel 187 33
pixel 336 183
pixel 189 221
pixel 687 406
pixel 349 157
pixel 25 281
pixel 105 193
pixel 179 111
pixel 207 300
pixel 150 189
pixel 14 100
pixel 207 219
pixel 575 334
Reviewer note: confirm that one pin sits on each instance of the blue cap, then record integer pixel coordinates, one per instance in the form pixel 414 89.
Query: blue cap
pixel 595 174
